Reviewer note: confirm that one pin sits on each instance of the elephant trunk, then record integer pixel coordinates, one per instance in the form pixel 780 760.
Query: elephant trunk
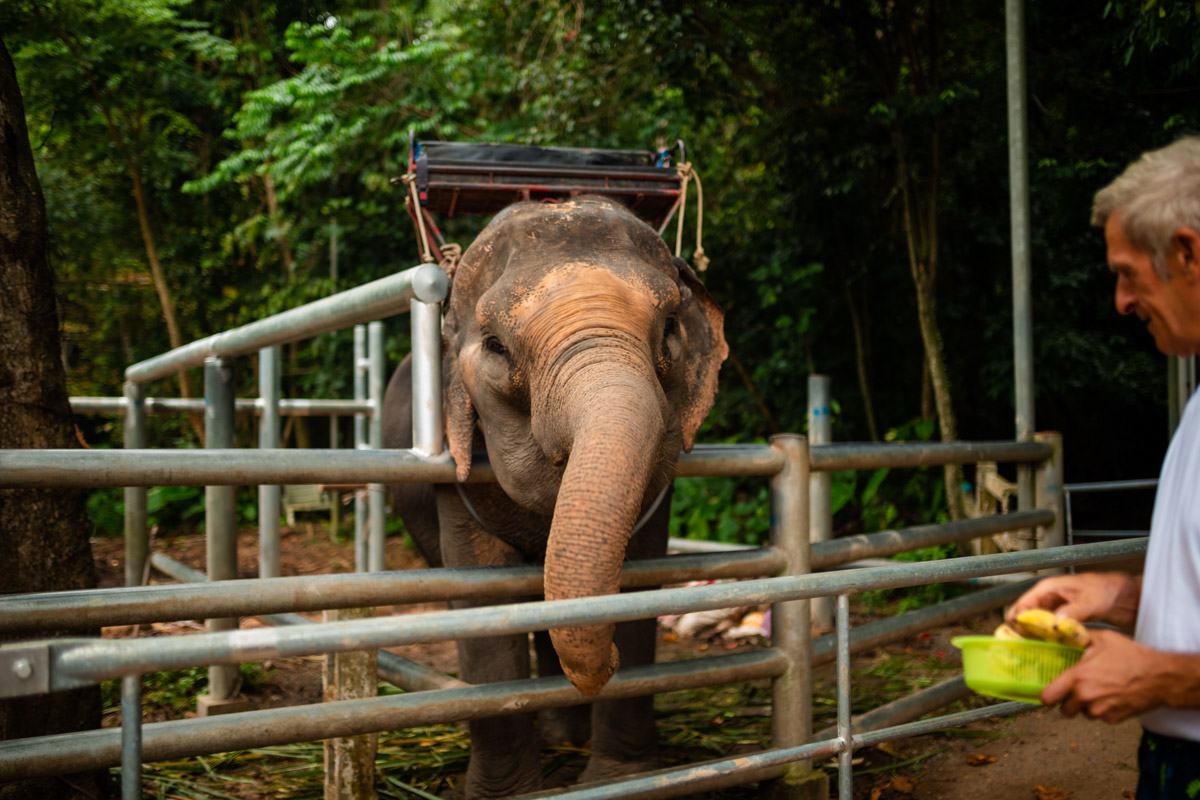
pixel 617 429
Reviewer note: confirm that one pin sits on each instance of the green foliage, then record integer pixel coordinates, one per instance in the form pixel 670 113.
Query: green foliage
pixel 106 509
pixel 167 508
pixel 911 497
pixel 721 510
pixel 172 692
pixel 260 128
pixel 898 601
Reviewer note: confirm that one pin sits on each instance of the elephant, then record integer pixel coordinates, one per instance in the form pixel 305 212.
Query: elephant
pixel 583 356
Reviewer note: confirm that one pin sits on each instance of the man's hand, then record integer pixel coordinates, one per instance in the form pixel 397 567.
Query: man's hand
pixel 1117 678
pixel 1090 596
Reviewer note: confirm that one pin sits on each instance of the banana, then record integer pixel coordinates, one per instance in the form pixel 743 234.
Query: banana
pixel 1072 632
pixel 1038 623
pixel 1006 631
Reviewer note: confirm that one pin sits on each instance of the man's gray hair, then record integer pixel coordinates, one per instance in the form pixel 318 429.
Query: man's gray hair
pixel 1155 196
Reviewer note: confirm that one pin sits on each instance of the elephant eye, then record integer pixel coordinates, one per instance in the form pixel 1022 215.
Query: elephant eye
pixel 494 345
pixel 670 328
pixel 670 345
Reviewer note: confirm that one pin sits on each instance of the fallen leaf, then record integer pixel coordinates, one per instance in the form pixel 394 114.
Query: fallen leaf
pixel 876 793
pixel 902 784
pixel 1051 793
pixel 889 748
pixel 979 759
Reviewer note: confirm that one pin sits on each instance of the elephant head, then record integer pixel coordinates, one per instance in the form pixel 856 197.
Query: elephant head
pixel 586 356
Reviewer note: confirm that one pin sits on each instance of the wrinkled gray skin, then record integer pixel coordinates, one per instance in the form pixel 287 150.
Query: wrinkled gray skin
pixel 583 356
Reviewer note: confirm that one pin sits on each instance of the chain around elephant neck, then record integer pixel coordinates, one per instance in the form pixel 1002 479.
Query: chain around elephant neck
pixel 641 523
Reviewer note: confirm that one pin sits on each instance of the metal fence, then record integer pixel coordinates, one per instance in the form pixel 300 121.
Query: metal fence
pixel 1071 489
pixel 788 462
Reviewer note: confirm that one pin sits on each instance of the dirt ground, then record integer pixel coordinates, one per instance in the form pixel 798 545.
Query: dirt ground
pixel 1032 756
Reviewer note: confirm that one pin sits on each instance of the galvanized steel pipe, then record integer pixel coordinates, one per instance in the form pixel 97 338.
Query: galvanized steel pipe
pixel 82 662
pixel 429 429
pixel 131 737
pixel 1018 193
pixel 820 485
pixel 294 407
pixel 269 375
pixel 400 672
pixel 892 629
pixel 837 457
pixel 220 512
pixel 98 608
pixel 101 468
pixel 906 709
pixel 137 543
pixel 370 301
pixel 719 773
pixel 361 440
pixel 377 500
pixel 74 752
pixel 886 543
pixel 845 785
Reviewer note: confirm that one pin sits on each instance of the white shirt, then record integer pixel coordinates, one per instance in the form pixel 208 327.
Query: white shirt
pixel 1169 609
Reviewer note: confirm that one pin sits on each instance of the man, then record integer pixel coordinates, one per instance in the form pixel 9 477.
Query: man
pixel 1151 220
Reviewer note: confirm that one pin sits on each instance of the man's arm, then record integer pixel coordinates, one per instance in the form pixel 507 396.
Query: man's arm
pixel 1111 597
pixel 1118 678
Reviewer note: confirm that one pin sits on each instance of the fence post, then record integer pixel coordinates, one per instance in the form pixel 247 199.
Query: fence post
pixel 429 429
pixel 791 623
pixel 136 543
pixel 361 365
pixel 375 491
pixel 131 737
pixel 1049 494
pixel 220 523
pixel 820 484
pixel 350 760
pixel 268 438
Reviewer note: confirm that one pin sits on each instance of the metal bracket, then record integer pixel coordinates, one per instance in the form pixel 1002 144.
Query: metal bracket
pixel 24 669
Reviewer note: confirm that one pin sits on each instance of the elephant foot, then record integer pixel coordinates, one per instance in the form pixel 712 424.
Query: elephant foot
pixel 571 726
pixel 601 767
pixel 507 774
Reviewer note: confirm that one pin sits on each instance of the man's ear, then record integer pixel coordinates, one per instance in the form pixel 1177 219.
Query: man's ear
pixel 1187 244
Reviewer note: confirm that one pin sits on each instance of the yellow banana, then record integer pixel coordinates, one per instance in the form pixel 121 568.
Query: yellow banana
pixel 1072 632
pixel 1006 631
pixel 1038 623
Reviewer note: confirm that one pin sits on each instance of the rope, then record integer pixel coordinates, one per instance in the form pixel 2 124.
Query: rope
pixel 687 173
pixel 413 202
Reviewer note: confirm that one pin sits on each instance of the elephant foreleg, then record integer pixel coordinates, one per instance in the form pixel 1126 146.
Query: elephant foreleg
pixel 624 739
pixel 569 725
pixel 504 753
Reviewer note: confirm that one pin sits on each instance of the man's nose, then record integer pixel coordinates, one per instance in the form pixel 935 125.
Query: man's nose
pixel 1125 299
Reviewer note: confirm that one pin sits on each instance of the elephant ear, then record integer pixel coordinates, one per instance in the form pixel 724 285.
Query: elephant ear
pixel 478 269
pixel 703 322
pixel 460 418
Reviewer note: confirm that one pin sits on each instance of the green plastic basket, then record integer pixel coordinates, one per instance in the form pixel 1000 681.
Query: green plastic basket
pixel 1013 669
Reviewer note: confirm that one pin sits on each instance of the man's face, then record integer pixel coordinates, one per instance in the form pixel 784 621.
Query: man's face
pixel 1169 308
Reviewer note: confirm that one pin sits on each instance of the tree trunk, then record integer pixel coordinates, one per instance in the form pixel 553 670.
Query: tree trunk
pixel 932 339
pixel 44 546
pixel 285 249
pixel 862 359
pixel 921 233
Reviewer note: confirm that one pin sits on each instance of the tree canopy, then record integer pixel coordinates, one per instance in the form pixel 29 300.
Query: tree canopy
pixel 853 154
